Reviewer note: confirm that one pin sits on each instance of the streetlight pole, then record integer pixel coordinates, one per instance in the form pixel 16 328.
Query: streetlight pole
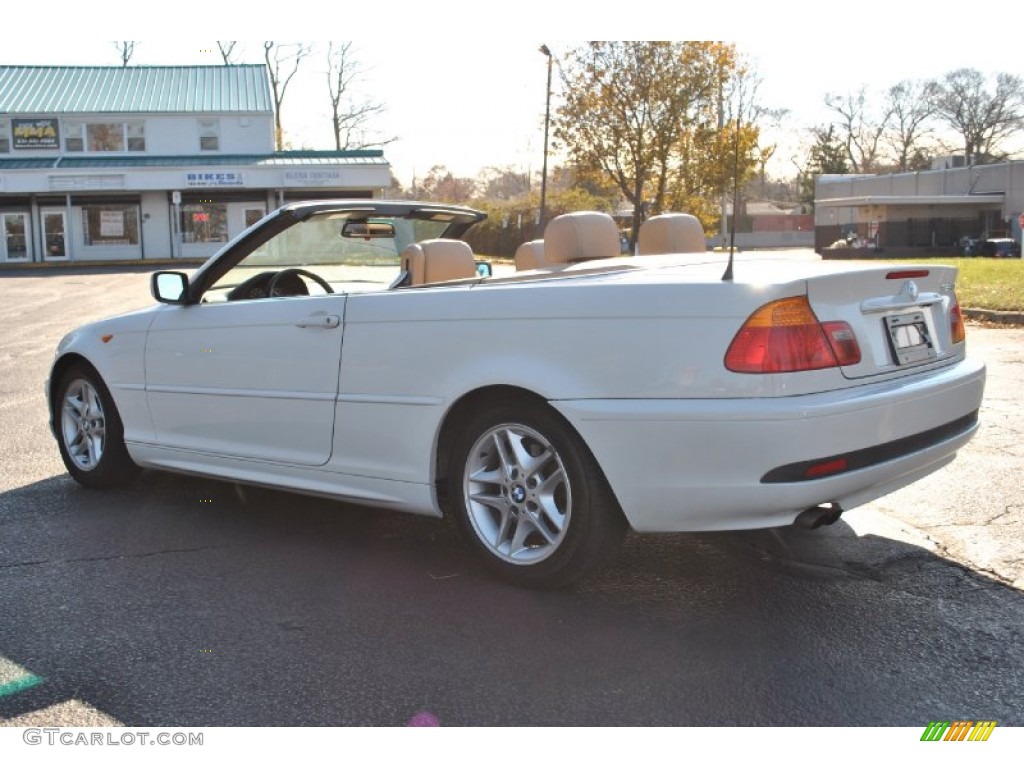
pixel 724 220
pixel 547 120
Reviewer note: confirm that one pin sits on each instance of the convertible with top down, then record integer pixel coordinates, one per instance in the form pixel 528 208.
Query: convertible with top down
pixel 358 350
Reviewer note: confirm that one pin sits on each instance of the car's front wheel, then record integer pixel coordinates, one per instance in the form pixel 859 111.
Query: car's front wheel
pixel 89 430
pixel 530 497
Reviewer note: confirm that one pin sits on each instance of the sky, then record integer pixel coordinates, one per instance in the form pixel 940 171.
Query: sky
pixel 463 83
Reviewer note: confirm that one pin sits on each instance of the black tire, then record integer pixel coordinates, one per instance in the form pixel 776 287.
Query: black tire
pixel 546 523
pixel 89 430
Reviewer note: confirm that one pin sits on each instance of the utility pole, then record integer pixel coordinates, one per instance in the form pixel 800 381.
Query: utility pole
pixel 724 225
pixel 547 120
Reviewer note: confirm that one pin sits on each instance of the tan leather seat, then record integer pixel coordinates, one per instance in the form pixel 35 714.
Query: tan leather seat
pixel 530 255
pixel 435 261
pixel 581 236
pixel 671 233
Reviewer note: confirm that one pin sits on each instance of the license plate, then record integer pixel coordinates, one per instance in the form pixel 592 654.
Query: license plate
pixel 909 338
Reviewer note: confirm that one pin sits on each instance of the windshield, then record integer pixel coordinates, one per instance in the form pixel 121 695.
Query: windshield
pixel 349 258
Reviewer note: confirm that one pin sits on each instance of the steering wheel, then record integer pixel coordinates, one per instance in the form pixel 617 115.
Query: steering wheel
pixel 295 272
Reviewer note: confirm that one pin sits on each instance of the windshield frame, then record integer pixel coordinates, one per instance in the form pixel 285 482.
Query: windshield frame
pixel 458 220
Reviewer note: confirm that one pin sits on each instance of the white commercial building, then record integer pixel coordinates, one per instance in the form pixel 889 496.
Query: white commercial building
pixel 118 163
pixel 921 212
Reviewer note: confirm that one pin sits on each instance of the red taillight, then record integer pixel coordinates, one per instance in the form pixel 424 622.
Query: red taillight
pixel 956 323
pixel 785 336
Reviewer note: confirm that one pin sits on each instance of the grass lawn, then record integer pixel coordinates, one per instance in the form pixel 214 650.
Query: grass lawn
pixel 985 283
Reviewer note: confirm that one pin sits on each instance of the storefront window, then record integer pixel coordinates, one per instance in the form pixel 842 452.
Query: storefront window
pixel 105 137
pixel 136 136
pixel 111 224
pixel 209 135
pixel 5 135
pixel 73 136
pixel 204 223
pixel 253 215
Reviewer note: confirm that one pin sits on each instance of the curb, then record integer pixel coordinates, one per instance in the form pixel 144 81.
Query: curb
pixel 58 265
pixel 994 316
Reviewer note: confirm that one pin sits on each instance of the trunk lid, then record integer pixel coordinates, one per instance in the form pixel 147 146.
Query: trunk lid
pixel 900 315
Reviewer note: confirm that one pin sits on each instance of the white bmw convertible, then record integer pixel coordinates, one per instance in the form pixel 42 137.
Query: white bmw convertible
pixel 356 349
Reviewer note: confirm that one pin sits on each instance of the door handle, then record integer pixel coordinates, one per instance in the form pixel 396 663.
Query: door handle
pixel 320 321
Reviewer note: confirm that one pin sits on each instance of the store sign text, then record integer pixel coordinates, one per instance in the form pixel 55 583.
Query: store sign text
pixel 213 179
pixel 35 134
pixel 323 178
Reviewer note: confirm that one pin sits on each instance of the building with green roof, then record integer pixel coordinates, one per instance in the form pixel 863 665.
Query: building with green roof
pixel 109 163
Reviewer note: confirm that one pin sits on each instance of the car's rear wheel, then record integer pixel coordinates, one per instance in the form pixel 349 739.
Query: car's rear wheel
pixel 89 430
pixel 530 497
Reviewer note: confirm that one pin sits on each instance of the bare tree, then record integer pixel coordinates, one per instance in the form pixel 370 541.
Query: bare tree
pixel 125 49
pixel 861 132
pixel 984 120
pixel 744 108
pixel 911 105
pixel 503 183
pixel 226 48
pixel 283 60
pixel 442 185
pixel 349 118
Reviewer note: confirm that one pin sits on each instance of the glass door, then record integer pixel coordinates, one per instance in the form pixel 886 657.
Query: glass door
pixel 54 228
pixel 14 240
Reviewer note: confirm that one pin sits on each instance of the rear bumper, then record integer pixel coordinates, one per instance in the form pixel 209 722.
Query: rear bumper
pixel 692 465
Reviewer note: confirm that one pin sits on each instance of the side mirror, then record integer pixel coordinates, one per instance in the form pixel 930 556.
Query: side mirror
pixel 169 287
pixel 484 269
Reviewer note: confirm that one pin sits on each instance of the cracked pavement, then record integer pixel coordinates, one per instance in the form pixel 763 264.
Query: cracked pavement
pixel 973 510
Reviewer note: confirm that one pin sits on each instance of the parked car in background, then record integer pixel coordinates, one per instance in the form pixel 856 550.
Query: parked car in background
pixel 971 245
pixel 999 248
pixel 352 349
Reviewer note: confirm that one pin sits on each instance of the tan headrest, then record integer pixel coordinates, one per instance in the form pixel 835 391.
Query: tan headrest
pixel 434 261
pixel 581 236
pixel 530 255
pixel 671 233
pixel 412 262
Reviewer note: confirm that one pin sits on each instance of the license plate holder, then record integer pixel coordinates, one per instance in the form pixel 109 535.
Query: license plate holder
pixel 909 338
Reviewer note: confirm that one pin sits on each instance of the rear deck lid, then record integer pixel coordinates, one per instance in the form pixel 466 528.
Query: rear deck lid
pixel 901 315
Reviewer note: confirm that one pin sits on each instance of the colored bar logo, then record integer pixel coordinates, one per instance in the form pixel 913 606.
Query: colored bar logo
pixel 15 679
pixel 958 730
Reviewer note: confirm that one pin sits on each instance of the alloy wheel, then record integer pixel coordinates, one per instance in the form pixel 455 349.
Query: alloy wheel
pixel 517 494
pixel 83 424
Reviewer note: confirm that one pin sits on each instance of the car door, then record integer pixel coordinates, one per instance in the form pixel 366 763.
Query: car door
pixel 253 379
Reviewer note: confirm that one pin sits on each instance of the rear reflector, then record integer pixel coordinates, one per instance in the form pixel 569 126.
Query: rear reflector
pixel 826 468
pixel 956 323
pixel 843 342
pixel 785 336
pixel 906 274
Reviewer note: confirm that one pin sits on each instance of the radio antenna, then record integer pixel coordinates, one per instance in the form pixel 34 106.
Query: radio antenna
pixel 727 275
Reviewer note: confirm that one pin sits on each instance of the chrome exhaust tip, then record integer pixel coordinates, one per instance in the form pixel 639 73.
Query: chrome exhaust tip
pixel 817 516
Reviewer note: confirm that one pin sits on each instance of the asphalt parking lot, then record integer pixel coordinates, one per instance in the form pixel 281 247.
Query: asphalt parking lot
pixel 184 602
